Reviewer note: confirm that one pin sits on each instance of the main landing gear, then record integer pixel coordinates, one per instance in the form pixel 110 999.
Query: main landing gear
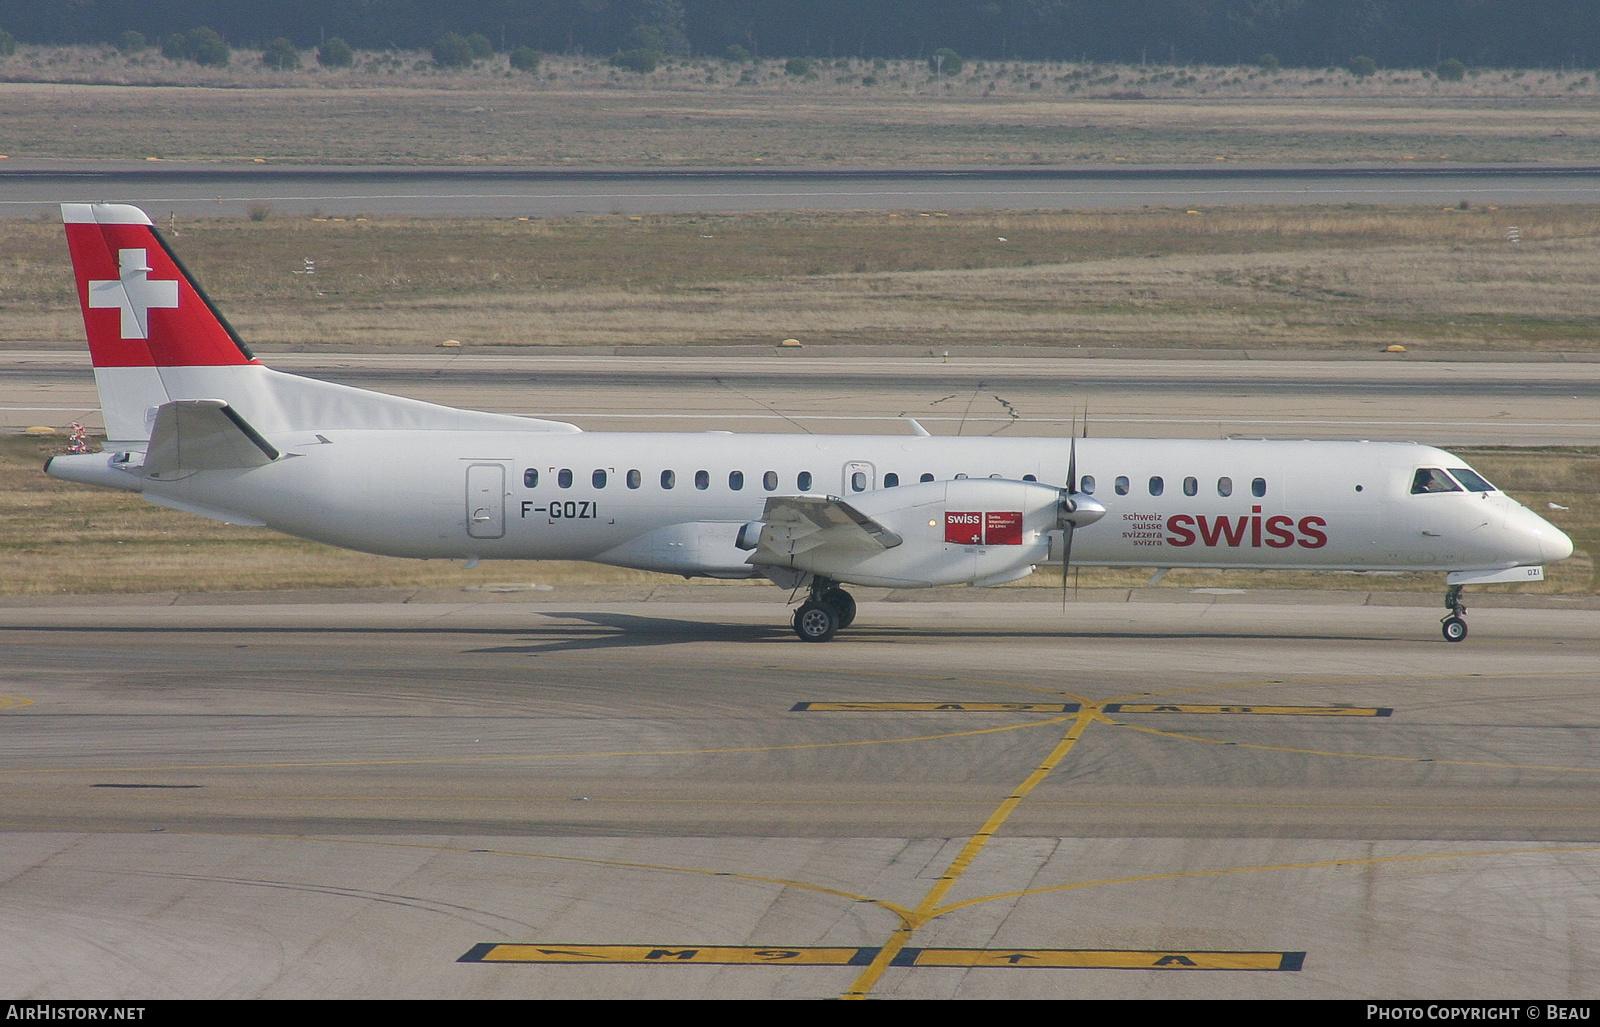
pixel 828 609
pixel 1454 622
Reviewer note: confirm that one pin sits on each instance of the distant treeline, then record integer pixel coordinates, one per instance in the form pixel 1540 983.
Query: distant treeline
pixel 1305 33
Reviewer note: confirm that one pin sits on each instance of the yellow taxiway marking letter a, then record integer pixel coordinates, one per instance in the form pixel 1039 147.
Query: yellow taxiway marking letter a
pixel 1281 711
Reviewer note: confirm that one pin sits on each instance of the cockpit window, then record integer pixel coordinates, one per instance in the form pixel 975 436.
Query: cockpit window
pixel 1474 481
pixel 1432 479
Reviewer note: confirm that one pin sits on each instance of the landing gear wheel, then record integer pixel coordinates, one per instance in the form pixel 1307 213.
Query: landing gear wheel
pixel 843 603
pixel 1455 629
pixel 816 622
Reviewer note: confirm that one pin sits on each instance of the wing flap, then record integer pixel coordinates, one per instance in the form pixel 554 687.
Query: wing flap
pixel 799 524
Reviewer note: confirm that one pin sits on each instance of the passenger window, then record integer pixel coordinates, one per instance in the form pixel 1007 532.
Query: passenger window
pixel 960 477
pixel 530 478
pixel 1122 485
pixel 891 480
pixel 669 479
pixel 564 478
pixel 1086 484
pixel 702 480
pixel 599 479
pixel 1191 486
pixel 802 481
pixel 1474 481
pixel 1258 487
pixel 1157 486
pixel 634 479
pixel 1431 479
pixel 736 480
pixel 1030 477
pixel 1224 487
pixel 926 477
pixel 769 481
pixel 858 481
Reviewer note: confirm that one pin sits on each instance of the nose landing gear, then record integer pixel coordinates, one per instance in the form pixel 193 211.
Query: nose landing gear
pixel 828 609
pixel 1454 623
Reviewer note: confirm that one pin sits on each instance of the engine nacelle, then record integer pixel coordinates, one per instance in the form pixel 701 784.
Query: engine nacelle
pixel 973 531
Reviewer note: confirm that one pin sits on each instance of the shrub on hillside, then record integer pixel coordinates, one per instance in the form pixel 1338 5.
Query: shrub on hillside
pixel 8 43
pixel 206 47
pixel 799 67
pixel 525 58
pixel 335 53
pixel 481 48
pixel 1363 67
pixel 131 41
pixel 202 45
pixel 640 60
pixel 1451 70
pixel 452 51
pixel 945 61
pixel 280 55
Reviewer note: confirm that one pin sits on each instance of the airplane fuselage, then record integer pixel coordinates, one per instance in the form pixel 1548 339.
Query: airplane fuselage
pixel 516 495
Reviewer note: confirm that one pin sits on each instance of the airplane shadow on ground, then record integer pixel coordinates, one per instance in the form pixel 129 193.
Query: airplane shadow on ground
pixel 624 630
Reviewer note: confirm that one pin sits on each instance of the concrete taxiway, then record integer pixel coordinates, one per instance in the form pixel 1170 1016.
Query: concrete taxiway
pixel 969 794
pixel 1489 402
pixel 31 189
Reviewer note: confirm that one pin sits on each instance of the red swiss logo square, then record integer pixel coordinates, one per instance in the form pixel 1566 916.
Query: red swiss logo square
pixel 1002 528
pixel 963 529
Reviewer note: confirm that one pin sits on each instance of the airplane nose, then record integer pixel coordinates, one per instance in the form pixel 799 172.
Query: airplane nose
pixel 1552 543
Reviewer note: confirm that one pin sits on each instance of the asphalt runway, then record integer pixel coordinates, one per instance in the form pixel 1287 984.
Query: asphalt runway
pixel 1441 403
pixel 431 800
pixel 200 191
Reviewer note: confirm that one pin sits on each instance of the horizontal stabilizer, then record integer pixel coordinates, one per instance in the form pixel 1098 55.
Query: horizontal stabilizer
pixel 800 524
pixel 202 435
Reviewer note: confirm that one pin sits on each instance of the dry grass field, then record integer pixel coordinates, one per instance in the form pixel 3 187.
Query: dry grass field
pixel 57 537
pixel 396 108
pixel 832 76
pixel 1435 279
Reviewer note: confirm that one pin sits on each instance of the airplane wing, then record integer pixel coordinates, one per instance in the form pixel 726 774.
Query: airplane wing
pixel 798 524
pixel 202 435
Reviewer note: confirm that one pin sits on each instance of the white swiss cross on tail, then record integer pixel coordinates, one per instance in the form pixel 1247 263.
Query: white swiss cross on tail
pixel 134 293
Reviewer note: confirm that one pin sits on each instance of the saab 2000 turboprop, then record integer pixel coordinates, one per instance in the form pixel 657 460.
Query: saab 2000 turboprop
pixel 195 422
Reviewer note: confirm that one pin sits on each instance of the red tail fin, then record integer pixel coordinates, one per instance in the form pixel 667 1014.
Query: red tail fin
pixel 141 307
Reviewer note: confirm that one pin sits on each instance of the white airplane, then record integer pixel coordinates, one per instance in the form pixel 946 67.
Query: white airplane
pixel 196 423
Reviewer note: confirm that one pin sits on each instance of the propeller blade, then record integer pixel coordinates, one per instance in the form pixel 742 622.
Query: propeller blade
pixel 1077 508
pixel 1066 562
